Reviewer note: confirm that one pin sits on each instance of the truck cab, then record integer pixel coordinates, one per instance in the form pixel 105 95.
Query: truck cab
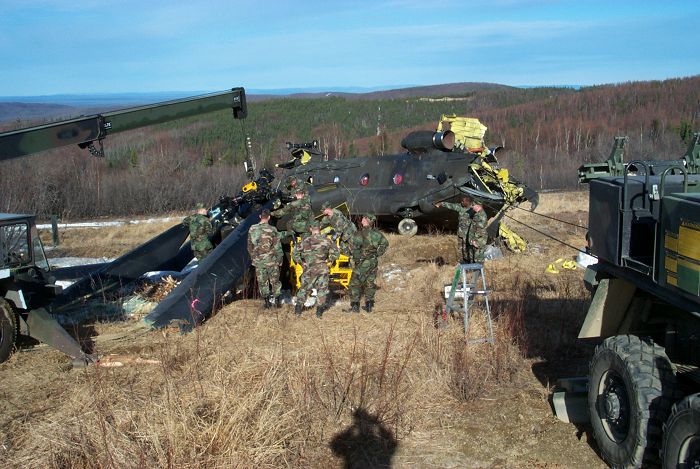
pixel 26 282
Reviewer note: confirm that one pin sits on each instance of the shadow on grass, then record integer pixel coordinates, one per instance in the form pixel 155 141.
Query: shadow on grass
pixel 367 443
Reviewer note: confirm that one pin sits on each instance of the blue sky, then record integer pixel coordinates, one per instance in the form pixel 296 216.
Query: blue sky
pixel 98 46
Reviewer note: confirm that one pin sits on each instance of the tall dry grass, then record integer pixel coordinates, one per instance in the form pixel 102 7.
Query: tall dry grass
pixel 257 389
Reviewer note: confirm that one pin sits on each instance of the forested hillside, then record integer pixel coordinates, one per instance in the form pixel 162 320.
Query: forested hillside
pixel 549 132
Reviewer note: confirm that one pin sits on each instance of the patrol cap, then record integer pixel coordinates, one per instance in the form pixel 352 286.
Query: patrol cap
pixel 314 224
pixel 370 217
pixel 199 206
pixel 326 205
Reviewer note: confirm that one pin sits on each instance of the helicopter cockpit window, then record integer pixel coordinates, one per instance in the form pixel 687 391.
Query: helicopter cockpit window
pixel 14 245
pixel 364 180
pixel 336 179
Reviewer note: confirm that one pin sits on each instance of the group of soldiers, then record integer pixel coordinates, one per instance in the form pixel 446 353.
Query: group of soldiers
pixel 312 249
pixel 315 251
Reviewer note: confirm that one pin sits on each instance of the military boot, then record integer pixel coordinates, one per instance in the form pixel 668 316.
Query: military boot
pixel 278 301
pixel 320 309
pixel 354 307
pixel 266 304
pixel 298 308
pixel 369 304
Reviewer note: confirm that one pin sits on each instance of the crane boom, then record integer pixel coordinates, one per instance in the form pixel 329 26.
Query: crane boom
pixel 84 131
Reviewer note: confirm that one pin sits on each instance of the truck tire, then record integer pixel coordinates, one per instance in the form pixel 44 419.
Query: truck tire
pixel 681 446
pixel 8 330
pixel 630 394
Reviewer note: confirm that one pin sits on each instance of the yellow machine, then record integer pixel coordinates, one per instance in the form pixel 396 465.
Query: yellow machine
pixel 341 272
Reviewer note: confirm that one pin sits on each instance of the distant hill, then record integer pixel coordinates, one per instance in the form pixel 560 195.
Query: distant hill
pixel 33 111
pixel 547 133
pixel 42 108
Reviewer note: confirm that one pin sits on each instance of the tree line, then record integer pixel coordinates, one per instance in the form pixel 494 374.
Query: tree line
pixel 548 132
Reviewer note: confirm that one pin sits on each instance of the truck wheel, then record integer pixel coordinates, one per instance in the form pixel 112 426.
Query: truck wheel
pixel 8 330
pixel 681 446
pixel 408 227
pixel 630 394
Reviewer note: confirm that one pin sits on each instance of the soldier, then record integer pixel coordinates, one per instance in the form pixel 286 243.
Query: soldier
pixel 367 245
pixel 472 229
pixel 200 230
pixel 292 183
pixel 343 227
pixel 299 210
pixel 265 250
pixel 314 253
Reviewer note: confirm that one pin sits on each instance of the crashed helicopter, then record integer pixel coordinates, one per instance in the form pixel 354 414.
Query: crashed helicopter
pixel 438 166
pixel 402 189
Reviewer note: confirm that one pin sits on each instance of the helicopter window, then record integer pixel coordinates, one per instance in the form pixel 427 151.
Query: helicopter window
pixel 336 179
pixel 398 178
pixel 364 180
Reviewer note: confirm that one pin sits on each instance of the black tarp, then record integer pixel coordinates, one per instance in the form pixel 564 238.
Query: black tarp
pixel 195 298
pixel 152 255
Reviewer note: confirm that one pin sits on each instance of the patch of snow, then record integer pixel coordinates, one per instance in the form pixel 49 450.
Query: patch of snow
pixel 104 224
pixel 75 261
pixel 394 272
pixel 583 259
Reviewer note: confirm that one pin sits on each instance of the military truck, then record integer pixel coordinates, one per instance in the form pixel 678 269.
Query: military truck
pixel 29 297
pixel 27 287
pixel 643 393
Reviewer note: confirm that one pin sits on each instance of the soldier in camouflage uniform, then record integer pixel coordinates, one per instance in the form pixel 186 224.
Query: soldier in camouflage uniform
pixel 367 245
pixel 299 210
pixel 314 253
pixel 472 229
pixel 293 183
pixel 344 228
pixel 265 250
pixel 200 230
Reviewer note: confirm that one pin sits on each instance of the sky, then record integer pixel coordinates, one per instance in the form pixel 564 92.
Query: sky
pixel 96 46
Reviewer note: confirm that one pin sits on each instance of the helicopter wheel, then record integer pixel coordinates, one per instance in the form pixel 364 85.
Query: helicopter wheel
pixel 408 227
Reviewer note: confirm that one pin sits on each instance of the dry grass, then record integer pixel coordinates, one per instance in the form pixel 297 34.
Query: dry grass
pixel 108 242
pixel 256 389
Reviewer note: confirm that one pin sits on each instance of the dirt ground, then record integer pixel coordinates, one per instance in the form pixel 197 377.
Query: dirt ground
pixel 257 389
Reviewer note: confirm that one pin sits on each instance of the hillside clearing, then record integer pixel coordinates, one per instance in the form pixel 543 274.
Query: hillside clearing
pixel 256 389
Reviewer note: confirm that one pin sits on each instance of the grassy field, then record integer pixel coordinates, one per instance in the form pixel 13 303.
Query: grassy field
pixel 252 388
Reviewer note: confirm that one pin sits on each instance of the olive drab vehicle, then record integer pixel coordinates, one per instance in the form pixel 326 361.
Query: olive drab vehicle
pixel 29 298
pixel 643 394
pixel 27 288
pixel 441 165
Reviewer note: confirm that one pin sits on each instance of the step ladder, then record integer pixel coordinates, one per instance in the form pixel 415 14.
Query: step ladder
pixel 470 274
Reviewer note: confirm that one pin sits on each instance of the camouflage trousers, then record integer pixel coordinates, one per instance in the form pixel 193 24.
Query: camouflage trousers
pixel 315 276
pixel 364 276
pixel 345 246
pixel 268 276
pixel 469 253
pixel 201 249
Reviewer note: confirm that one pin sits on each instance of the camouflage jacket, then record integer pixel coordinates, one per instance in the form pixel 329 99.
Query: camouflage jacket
pixel 368 243
pixel 264 244
pixel 294 182
pixel 300 212
pixel 472 224
pixel 477 228
pixel 465 219
pixel 315 250
pixel 340 224
pixel 200 229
